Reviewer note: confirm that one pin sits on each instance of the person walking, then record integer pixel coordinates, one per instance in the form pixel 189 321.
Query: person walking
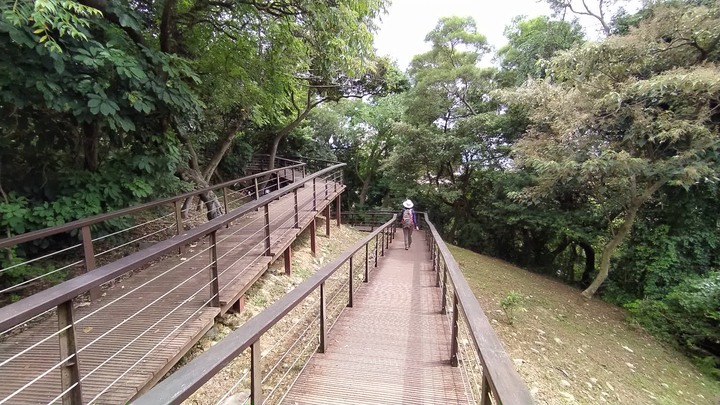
pixel 408 221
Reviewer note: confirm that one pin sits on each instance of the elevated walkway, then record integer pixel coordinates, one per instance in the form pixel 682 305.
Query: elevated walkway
pixel 150 315
pixel 392 346
pixel 408 331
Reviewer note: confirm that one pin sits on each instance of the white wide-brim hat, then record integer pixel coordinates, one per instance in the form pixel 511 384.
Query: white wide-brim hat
pixel 407 204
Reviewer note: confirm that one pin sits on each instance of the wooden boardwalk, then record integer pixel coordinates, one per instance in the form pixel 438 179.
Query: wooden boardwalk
pixel 392 347
pixel 145 323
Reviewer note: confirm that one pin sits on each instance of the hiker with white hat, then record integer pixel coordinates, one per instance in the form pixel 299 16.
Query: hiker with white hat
pixel 409 222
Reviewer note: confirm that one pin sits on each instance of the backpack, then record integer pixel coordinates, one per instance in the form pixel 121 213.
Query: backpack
pixel 407 218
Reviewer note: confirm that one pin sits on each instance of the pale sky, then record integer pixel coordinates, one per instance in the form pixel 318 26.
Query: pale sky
pixel 402 31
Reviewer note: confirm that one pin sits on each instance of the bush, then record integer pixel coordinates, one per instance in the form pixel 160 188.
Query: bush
pixel 689 317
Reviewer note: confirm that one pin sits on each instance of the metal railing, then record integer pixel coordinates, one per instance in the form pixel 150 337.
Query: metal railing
pixel 149 222
pixel 189 378
pixel 488 374
pixel 191 298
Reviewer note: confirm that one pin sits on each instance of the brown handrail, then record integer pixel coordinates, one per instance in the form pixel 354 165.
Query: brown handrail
pixel 23 310
pixel 499 375
pixel 80 223
pixel 182 383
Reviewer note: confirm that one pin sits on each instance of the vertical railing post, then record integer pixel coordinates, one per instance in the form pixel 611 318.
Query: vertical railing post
pixel 314 194
pixel 313 231
pixel 366 278
pixel 255 374
pixel 267 230
pixel 376 248
pixel 327 192
pixel 278 180
pixel 70 368
pixel 454 338
pixel 225 202
pixel 89 257
pixel 382 243
pixel 387 238
pixel 178 222
pixel 257 188
pixel 443 309
pixel 297 208
pixel 321 347
pixel 337 212
pixel 327 220
pixel 437 275
pixel 215 285
pixel 350 274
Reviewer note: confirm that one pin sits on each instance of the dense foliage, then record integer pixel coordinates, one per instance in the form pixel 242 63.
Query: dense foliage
pixel 594 162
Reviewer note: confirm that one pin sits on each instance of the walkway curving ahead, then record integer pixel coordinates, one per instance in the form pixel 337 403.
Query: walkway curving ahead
pixel 393 346
pixel 143 324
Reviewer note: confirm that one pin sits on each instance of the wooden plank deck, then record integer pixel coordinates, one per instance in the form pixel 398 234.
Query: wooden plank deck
pixel 145 323
pixel 392 347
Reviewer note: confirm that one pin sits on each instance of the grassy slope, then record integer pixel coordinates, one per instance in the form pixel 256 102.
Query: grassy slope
pixel 570 350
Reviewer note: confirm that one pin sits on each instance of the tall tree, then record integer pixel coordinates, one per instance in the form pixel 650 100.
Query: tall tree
pixel 532 41
pixel 624 117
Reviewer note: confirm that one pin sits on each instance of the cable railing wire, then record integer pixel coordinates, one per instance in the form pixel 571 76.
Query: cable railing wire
pixel 63 268
pixel 25 263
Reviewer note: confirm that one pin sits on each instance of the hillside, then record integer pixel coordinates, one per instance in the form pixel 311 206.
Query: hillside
pixel 570 350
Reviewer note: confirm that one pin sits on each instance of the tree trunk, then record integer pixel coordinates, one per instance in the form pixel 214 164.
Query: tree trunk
pixel 91 142
pixel 212 204
pixel 635 203
pixel 365 188
pixel 589 263
pixel 610 247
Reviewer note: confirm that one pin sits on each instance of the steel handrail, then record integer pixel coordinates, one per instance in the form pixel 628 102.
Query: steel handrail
pixel 186 380
pixel 80 223
pixel 23 310
pixel 498 371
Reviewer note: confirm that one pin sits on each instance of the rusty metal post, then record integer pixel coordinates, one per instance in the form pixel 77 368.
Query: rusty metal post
pixel 443 309
pixel 255 374
pixel 382 243
pixel 214 284
pixel 178 222
pixel 387 238
pixel 313 231
pixel 225 201
pixel 327 221
pixel 287 258
pixel 321 348
pixel 327 192
pixel 376 248
pixel 337 212
pixel 89 257
pixel 367 260
pixel 314 194
pixel 454 338
pixel 436 269
pixel 70 368
pixel 350 275
pixel 267 231
pixel 257 188
pixel 297 208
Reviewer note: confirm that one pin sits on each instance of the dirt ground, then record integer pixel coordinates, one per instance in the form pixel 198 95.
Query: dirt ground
pixel 570 350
